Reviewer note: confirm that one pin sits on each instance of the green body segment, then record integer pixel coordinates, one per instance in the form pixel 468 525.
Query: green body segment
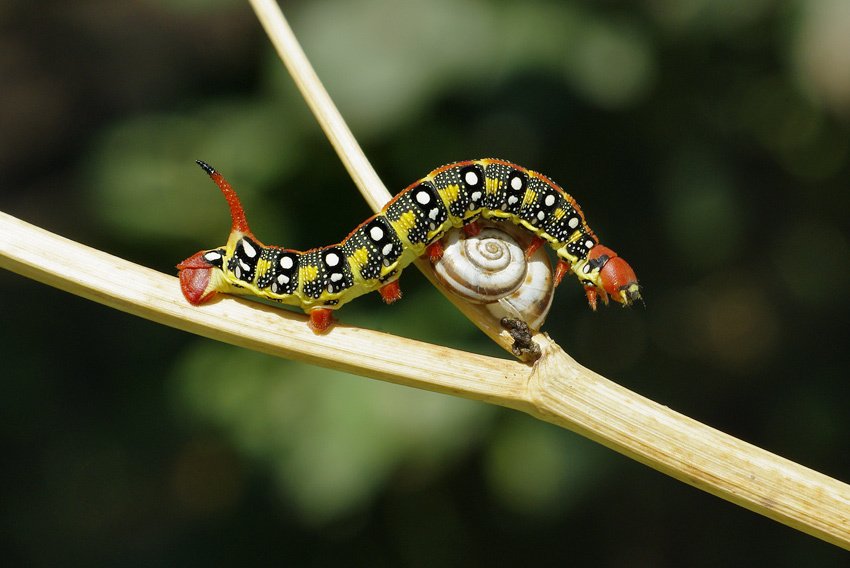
pixel 375 253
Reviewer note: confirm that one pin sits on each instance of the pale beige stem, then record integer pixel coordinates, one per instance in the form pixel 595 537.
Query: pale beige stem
pixel 320 102
pixel 569 395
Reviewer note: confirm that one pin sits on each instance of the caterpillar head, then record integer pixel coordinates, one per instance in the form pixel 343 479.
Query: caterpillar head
pixel 198 275
pixel 616 278
pixel 202 274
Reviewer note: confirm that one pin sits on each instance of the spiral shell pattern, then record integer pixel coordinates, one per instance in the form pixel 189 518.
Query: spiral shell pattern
pixel 490 268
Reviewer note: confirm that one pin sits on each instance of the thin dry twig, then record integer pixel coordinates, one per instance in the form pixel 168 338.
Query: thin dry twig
pixel 556 389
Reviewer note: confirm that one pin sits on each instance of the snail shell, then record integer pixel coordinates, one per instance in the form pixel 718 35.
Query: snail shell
pixel 490 268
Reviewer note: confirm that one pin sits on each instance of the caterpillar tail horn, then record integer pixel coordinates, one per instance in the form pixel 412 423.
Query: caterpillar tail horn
pixel 196 272
pixel 237 213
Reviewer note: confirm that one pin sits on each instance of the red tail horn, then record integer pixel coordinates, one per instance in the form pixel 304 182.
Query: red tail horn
pixel 237 214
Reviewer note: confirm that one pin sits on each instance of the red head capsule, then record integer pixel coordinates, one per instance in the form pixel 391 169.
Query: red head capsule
pixel 617 278
pixel 194 276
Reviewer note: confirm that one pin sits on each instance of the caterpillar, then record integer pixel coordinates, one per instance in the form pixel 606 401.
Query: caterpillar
pixel 373 255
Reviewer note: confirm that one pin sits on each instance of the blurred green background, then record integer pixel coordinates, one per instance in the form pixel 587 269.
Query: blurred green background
pixel 707 142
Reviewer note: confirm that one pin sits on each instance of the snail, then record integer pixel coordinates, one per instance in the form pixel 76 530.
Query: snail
pixel 491 268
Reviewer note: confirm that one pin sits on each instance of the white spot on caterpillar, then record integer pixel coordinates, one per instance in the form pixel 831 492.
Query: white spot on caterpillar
pixel 212 256
pixel 238 273
pixel 541 215
pixel 423 198
pixel 573 222
pixel 588 243
pixel 330 288
pixel 286 262
pixel 550 200
pixel 249 250
pixel 434 213
pixel 332 259
pixel 376 233
pixel 336 276
pixel 388 248
pixel 283 279
pixel 471 178
pixel 476 195
pixel 275 288
pixel 512 199
pixel 586 268
pixel 245 266
pixel 516 183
